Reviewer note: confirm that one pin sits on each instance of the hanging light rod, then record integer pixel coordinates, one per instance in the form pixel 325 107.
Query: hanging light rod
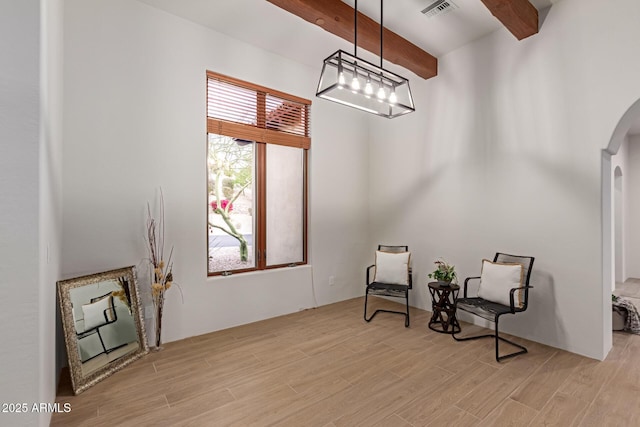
pixel 337 18
pixel 352 81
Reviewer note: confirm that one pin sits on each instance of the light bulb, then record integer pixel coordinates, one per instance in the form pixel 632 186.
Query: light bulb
pixel 381 93
pixel 368 88
pixel 393 98
pixel 341 80
pixel 355 83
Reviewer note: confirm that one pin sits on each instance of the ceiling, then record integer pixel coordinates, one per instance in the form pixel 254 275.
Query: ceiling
pixel 269 27
pixel 265 25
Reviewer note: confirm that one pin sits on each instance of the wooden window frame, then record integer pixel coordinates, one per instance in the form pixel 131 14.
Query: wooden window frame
pixel 261 136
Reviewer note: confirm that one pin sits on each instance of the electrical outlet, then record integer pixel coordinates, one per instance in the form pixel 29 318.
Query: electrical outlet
pixel 332 280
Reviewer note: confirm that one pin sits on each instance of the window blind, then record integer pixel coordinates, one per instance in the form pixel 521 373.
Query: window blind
pixel 238 108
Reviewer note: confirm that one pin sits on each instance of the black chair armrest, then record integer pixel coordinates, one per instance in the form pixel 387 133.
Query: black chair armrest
pixel 511 292
pixel 113 312
pixel 466 281
pixel 368 273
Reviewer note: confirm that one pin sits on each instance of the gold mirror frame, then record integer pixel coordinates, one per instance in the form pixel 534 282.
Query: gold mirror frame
pixel 79 381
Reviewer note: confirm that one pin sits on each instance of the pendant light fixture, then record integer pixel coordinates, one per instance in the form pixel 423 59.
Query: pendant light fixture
pixel 352 81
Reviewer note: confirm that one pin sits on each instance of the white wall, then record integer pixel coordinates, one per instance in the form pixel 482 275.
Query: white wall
pixel 50 199
pixel 504 154
pixel 19 274
pixel 135 121
pixel 30 89
pixel 632 232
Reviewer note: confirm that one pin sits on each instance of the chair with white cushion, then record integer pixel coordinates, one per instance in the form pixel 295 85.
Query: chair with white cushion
pixel 96 314
pixel 391 278
pixel 504 289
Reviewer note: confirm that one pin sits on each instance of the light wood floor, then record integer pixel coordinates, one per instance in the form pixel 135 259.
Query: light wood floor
pixel 326 367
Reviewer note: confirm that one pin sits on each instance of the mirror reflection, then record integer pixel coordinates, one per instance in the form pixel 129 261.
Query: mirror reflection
pixel 105 329
pixel 103 324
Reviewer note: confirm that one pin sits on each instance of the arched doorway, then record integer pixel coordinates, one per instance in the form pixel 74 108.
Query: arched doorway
pixel 629 118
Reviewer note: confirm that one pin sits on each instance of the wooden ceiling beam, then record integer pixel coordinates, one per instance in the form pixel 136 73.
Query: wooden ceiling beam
pixel 336 17
pixel 519 16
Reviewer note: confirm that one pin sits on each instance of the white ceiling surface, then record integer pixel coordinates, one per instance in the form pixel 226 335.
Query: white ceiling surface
pixel 269 27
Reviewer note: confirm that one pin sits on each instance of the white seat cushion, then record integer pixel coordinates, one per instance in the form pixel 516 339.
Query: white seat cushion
pixel 497 280
pixel 392 268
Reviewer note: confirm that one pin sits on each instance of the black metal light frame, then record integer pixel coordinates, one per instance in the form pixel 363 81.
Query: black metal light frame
pixel 392 94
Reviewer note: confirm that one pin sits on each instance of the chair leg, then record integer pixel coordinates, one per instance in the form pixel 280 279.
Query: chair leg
pixel 101 340
pixel 368 319
pixel 475 337
pixel 497 338
pixel 366 298
pixel 406 319
pixel 497 342
pixel 406 315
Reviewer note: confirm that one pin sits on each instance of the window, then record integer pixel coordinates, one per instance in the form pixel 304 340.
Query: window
pixel 257 176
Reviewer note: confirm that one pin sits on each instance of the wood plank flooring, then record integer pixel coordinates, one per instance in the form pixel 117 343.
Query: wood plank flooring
pixel 327 367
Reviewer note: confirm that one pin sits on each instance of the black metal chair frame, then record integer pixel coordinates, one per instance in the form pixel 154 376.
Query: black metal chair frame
pixel 388 290
pixel 492 311
pixel 96 330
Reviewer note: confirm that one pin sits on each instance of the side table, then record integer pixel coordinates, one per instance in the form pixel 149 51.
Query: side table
pixel 443 298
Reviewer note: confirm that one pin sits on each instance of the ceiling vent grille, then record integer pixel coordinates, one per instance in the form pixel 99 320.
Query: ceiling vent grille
pixel 439 7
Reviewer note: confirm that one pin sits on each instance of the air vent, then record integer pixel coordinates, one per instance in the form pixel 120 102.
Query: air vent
pixel 439 7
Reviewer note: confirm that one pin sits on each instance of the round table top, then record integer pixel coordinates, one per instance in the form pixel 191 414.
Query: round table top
pixel 443 286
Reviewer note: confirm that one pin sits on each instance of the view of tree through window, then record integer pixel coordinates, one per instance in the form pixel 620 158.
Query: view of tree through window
pixel 231 203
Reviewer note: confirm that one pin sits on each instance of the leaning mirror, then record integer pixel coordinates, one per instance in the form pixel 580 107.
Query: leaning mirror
pixel 103 326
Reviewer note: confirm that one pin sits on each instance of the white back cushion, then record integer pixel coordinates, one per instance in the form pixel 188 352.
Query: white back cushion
pixel 94 313
pixel 392 268
pixel 497 279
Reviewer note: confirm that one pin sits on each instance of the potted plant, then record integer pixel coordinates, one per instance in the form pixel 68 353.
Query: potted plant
pixel 444 273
